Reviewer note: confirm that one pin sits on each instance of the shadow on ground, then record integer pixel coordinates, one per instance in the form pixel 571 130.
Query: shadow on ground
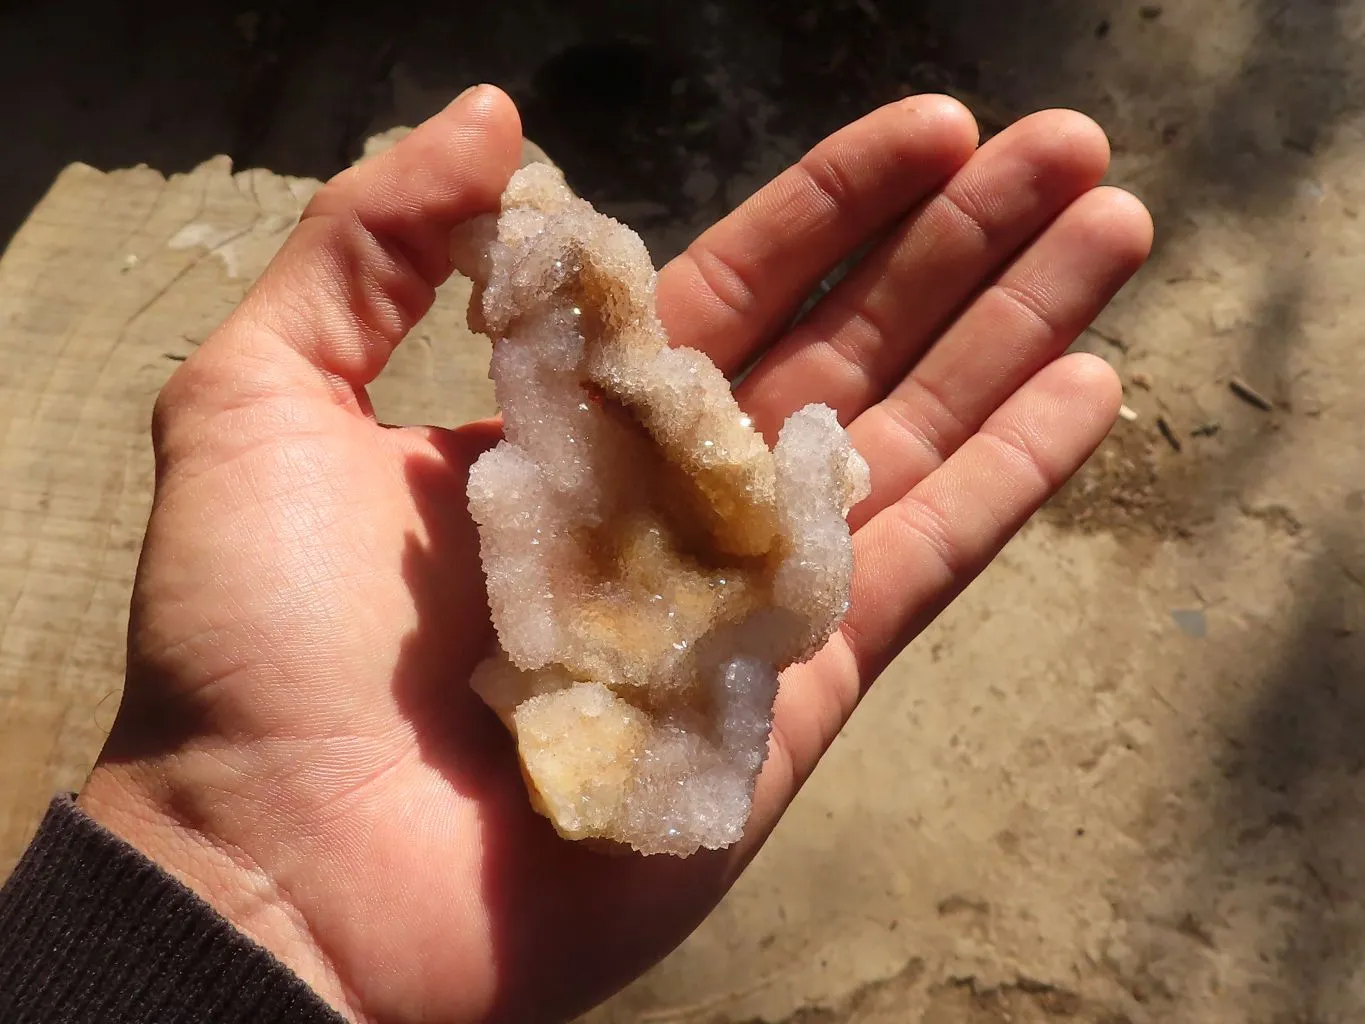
pixel 658 105
pixel 1293 774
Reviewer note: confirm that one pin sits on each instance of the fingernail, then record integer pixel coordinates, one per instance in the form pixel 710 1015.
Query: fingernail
pixel 467 93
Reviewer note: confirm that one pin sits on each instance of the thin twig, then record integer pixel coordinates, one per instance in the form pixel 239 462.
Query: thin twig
pixel 1250 395
pixel 1163 425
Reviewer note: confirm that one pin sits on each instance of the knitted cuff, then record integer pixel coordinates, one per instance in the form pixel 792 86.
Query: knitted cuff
pixel 91 930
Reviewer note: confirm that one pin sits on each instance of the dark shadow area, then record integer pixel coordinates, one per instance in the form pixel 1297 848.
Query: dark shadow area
pixel 671 111
pixel 619 93
pixel 669 108
pixel 1292 807
pixel 631 99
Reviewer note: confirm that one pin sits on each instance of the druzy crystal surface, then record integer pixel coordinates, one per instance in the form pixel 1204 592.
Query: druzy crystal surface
pixel 652 565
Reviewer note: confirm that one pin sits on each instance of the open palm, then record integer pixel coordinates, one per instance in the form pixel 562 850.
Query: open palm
pixel 298 742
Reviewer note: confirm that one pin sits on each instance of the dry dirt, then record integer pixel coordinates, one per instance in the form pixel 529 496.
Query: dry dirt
pixel 1121 779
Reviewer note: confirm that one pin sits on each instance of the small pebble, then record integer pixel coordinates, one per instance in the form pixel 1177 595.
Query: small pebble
pixel 1191 622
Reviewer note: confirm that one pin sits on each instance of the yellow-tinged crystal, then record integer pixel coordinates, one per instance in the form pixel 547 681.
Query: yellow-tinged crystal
pixel 652 565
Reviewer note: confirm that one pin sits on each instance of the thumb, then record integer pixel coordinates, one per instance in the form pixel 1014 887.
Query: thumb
pixel 363 264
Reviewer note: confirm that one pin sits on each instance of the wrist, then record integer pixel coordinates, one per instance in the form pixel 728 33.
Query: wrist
pixel 138 803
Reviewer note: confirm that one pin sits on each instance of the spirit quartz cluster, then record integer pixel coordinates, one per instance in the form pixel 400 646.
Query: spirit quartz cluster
pixel 652 565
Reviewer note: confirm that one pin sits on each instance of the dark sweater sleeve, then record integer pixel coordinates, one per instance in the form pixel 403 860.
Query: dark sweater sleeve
pixel 91 930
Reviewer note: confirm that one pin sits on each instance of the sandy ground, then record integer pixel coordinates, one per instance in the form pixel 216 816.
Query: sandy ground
pixel 1121 779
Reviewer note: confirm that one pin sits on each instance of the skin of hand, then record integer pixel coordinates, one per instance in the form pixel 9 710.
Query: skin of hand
pixel 297 742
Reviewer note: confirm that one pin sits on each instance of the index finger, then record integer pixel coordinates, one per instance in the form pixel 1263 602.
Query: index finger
pixel 739 282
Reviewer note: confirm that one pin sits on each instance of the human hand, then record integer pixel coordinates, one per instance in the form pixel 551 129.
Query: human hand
pixel 297 740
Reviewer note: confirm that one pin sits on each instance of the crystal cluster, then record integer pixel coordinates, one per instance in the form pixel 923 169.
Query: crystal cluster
pixel 652 565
